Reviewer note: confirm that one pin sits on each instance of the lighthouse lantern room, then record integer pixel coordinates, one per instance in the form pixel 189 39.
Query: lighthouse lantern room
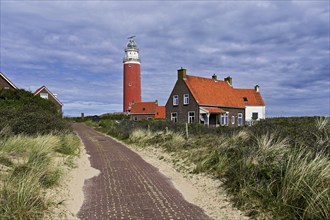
pixel 132 77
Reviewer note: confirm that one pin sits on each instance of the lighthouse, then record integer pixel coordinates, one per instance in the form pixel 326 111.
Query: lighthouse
pixel 132 76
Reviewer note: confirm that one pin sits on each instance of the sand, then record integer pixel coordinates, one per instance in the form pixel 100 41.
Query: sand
pixel 70 192
pixel 201 190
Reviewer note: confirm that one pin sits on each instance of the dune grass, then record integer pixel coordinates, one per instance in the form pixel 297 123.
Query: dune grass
pixel 28 169
pixel 268 174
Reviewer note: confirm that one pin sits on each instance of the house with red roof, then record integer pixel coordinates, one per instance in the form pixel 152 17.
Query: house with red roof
pixel 212 102
pixel 45 93
pixel 146 110
pixel 5 83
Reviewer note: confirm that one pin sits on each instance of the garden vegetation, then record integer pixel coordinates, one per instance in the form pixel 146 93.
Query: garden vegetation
pixel 36 146
pixel 276 169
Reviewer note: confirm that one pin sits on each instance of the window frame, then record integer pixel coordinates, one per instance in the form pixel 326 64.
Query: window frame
pixel 176 118
pixel 225 118
pixel 175 100
pixel 191 119
pixel 186 99
pixel 42 95
pixel 240 117
pixel 257 115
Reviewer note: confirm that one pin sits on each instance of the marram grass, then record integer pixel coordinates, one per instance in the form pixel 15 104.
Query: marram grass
pixel 269 175
pixel 28 170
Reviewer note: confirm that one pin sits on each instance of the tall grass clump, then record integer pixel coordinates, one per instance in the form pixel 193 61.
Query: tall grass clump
pixel 305 185
pixel 29 171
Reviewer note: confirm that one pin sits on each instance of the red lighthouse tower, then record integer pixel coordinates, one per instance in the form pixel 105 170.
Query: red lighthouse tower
pixel 132 78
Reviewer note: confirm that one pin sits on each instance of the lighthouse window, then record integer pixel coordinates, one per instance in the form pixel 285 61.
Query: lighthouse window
pixel 175 100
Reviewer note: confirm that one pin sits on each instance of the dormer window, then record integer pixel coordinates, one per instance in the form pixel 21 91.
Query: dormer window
pixel 245 99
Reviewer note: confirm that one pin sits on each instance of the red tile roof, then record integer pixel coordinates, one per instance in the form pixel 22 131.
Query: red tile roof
pixel 160 112
pixel 253 98
pixel 143 108
pixel 211 92
pixel 214 110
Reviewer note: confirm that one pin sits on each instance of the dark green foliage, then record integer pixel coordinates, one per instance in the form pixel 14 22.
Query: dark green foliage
pixel 28 114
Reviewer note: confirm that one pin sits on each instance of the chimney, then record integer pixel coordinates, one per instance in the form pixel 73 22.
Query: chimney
pixel 229 80
pixel 257 88
pixel 214 77
pixel 182 73
pixel 156 102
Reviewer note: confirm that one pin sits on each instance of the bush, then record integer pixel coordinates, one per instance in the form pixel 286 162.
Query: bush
pixel 24 113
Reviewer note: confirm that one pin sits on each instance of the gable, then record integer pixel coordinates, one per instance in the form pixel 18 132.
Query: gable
pixel 44 89
pixel 5 82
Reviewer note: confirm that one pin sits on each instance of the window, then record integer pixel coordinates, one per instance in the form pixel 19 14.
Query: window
pixel 143 109
pixel 44 95
pixel 254 115
pixel 224 119
pixel 186 99
pixel 175 100
pixel 240 119
pixel 191 117
pixel 232 120
pixel 135 118
pixel 245 99
pixel 174 117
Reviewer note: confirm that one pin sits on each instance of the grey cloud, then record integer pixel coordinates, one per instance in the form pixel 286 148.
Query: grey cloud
pixel 78 46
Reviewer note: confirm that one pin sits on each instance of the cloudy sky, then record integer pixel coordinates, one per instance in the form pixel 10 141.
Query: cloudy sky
pixel 76 49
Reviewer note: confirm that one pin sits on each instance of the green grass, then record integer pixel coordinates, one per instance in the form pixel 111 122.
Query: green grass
pixel 277 169
pixel 31 169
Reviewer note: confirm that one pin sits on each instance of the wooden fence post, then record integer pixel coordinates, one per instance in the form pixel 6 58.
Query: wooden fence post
pixel 187 132
pixel 166 130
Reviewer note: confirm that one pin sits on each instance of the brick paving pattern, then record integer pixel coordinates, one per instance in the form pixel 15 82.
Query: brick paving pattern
pixel 128 187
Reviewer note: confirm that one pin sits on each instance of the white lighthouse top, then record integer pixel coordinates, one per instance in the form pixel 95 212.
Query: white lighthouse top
pixel 131 52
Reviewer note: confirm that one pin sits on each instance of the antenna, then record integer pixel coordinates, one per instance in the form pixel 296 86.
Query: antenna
pixel 131 37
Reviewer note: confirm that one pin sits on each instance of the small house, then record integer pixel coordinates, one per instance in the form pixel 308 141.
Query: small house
pixel 45 93
pixel 146 110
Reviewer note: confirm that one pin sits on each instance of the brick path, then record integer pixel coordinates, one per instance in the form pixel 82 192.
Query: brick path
pixel 128 187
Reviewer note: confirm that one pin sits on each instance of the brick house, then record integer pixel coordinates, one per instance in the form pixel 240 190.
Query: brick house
pixel 146 110
pixel 5 83
pixel 45 93
pixel 212 102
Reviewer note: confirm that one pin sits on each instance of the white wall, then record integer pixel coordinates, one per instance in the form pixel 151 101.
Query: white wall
pixel 260 109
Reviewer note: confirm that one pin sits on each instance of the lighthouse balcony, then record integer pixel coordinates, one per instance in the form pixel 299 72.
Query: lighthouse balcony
pixel 131 59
